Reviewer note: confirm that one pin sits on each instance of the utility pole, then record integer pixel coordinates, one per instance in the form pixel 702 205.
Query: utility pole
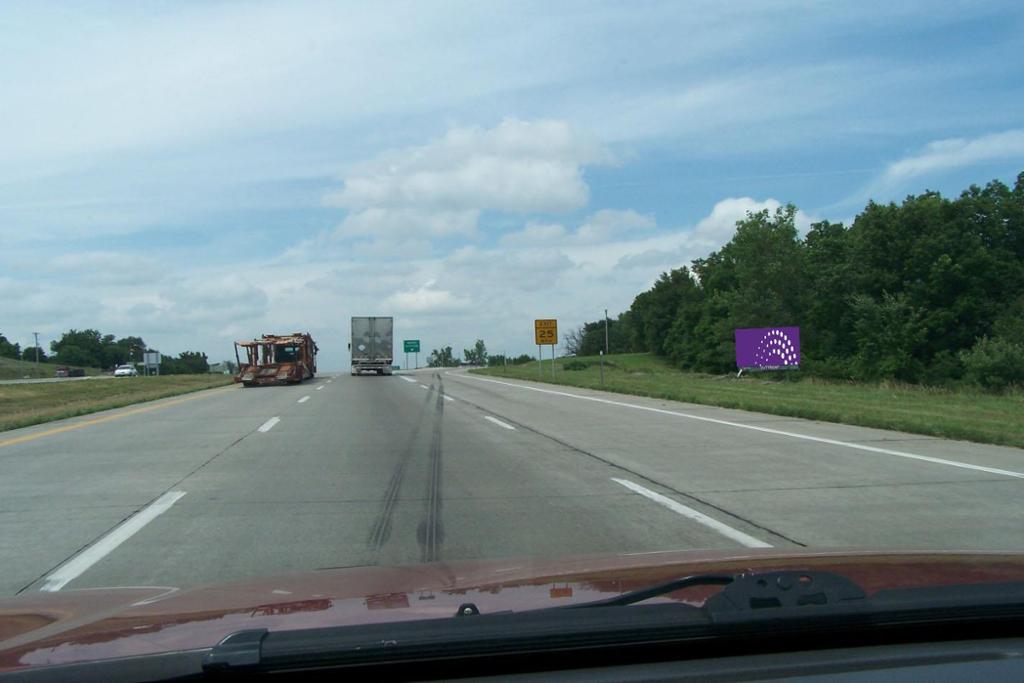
pixel 36 334
pixel 606 331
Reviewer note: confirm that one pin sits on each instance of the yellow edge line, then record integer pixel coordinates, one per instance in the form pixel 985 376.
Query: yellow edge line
pixel 203 393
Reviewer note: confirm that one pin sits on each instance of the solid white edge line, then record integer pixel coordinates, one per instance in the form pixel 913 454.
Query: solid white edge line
pixel 74 567
pixel 407 379
pixel 303 399
pixel 768 430
pixel 498 422
pixel 699 517
pixel 269 424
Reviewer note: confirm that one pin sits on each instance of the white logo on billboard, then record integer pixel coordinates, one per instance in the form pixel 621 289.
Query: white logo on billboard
pixel 775 348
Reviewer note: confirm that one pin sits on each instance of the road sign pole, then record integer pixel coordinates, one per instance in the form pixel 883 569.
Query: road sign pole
pixel 417 360
pixel 540 363
pixel 606 330
pixel 407 361
pixel 602 368
pixel 552 361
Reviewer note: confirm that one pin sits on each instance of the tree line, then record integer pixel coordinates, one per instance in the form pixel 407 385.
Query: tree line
pixel 927 291
pixel 90 348
pixel 444 357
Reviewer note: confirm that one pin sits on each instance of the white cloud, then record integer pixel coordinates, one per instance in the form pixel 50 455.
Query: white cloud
pixel 720 224
pixel 937 156
pixel 601 226
pixel 517 166
pixel 942 155
pixel 490 272
pixel 108 267
pixel 533 234
pixel 426 299
pixel 608 223
pixel 440 189
pixel 408 222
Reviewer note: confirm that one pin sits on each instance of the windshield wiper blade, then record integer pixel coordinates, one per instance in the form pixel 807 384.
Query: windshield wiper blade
pixel 656 590
pixel 757 605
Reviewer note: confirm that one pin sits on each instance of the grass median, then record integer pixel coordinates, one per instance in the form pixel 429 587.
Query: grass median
pixel 959 414
pixel 22 405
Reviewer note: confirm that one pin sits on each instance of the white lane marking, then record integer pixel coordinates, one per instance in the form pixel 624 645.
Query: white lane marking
pixel 303 399
pixel 498 422
pixel 74 568
pixel 448 398
pixel 424 386
pixel 269 424
pixel 767 430
pixel 320 387
pixel 407 379
pixel 699 517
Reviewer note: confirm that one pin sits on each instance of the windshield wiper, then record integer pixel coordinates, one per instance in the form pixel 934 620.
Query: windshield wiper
pixel 642 594
pixel 755 605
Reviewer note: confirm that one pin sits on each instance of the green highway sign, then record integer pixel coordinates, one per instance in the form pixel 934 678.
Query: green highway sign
pixel 411 345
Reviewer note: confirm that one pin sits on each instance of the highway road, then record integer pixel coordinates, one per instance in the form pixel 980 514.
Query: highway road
pixel 435 466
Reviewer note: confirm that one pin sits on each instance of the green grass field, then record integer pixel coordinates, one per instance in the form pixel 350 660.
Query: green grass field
pixel 22 405
pixel 961 414
pixel 20 369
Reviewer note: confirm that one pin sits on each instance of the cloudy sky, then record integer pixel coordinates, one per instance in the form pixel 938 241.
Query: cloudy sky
pixel 199 172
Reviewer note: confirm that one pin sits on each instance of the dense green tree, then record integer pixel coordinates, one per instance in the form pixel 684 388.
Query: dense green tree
pixel 928 290
pixel 442 358
pixel 654 311
pixel 9 350
pixel 79 347
pixel 994 363
pixel 573 340
pixel 29 354
pixel 476 355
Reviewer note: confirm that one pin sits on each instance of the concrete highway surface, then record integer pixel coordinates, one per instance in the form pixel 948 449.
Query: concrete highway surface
pixel 444 465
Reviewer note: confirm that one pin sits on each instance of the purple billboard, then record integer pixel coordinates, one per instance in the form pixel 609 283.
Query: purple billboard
pixel 768 348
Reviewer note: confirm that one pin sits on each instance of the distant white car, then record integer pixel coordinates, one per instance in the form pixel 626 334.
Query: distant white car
pixel 125 371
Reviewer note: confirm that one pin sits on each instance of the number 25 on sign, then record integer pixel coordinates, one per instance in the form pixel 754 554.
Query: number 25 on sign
pixel 545 332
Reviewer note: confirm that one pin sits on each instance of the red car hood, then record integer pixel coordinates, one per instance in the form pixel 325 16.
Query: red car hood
pixel 79 625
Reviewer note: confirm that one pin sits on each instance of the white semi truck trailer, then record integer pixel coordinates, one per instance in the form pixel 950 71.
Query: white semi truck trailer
pixel 372 344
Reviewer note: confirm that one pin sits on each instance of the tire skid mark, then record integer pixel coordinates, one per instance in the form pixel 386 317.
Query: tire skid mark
pixel 381 530
pixel 430 533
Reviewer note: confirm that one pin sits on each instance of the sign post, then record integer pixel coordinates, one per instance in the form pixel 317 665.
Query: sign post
pixel 411 346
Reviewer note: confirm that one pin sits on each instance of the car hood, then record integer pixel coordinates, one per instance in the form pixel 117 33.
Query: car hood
pixel 40 629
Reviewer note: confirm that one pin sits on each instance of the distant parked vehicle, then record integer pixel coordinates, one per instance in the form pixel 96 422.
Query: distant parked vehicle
pixel 65 371
pixel 125 371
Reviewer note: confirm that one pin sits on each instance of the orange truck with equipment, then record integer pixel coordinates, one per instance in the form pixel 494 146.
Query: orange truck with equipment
pixel 276 359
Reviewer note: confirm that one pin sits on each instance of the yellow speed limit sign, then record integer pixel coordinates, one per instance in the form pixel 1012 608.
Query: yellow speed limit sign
pixel 545 332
